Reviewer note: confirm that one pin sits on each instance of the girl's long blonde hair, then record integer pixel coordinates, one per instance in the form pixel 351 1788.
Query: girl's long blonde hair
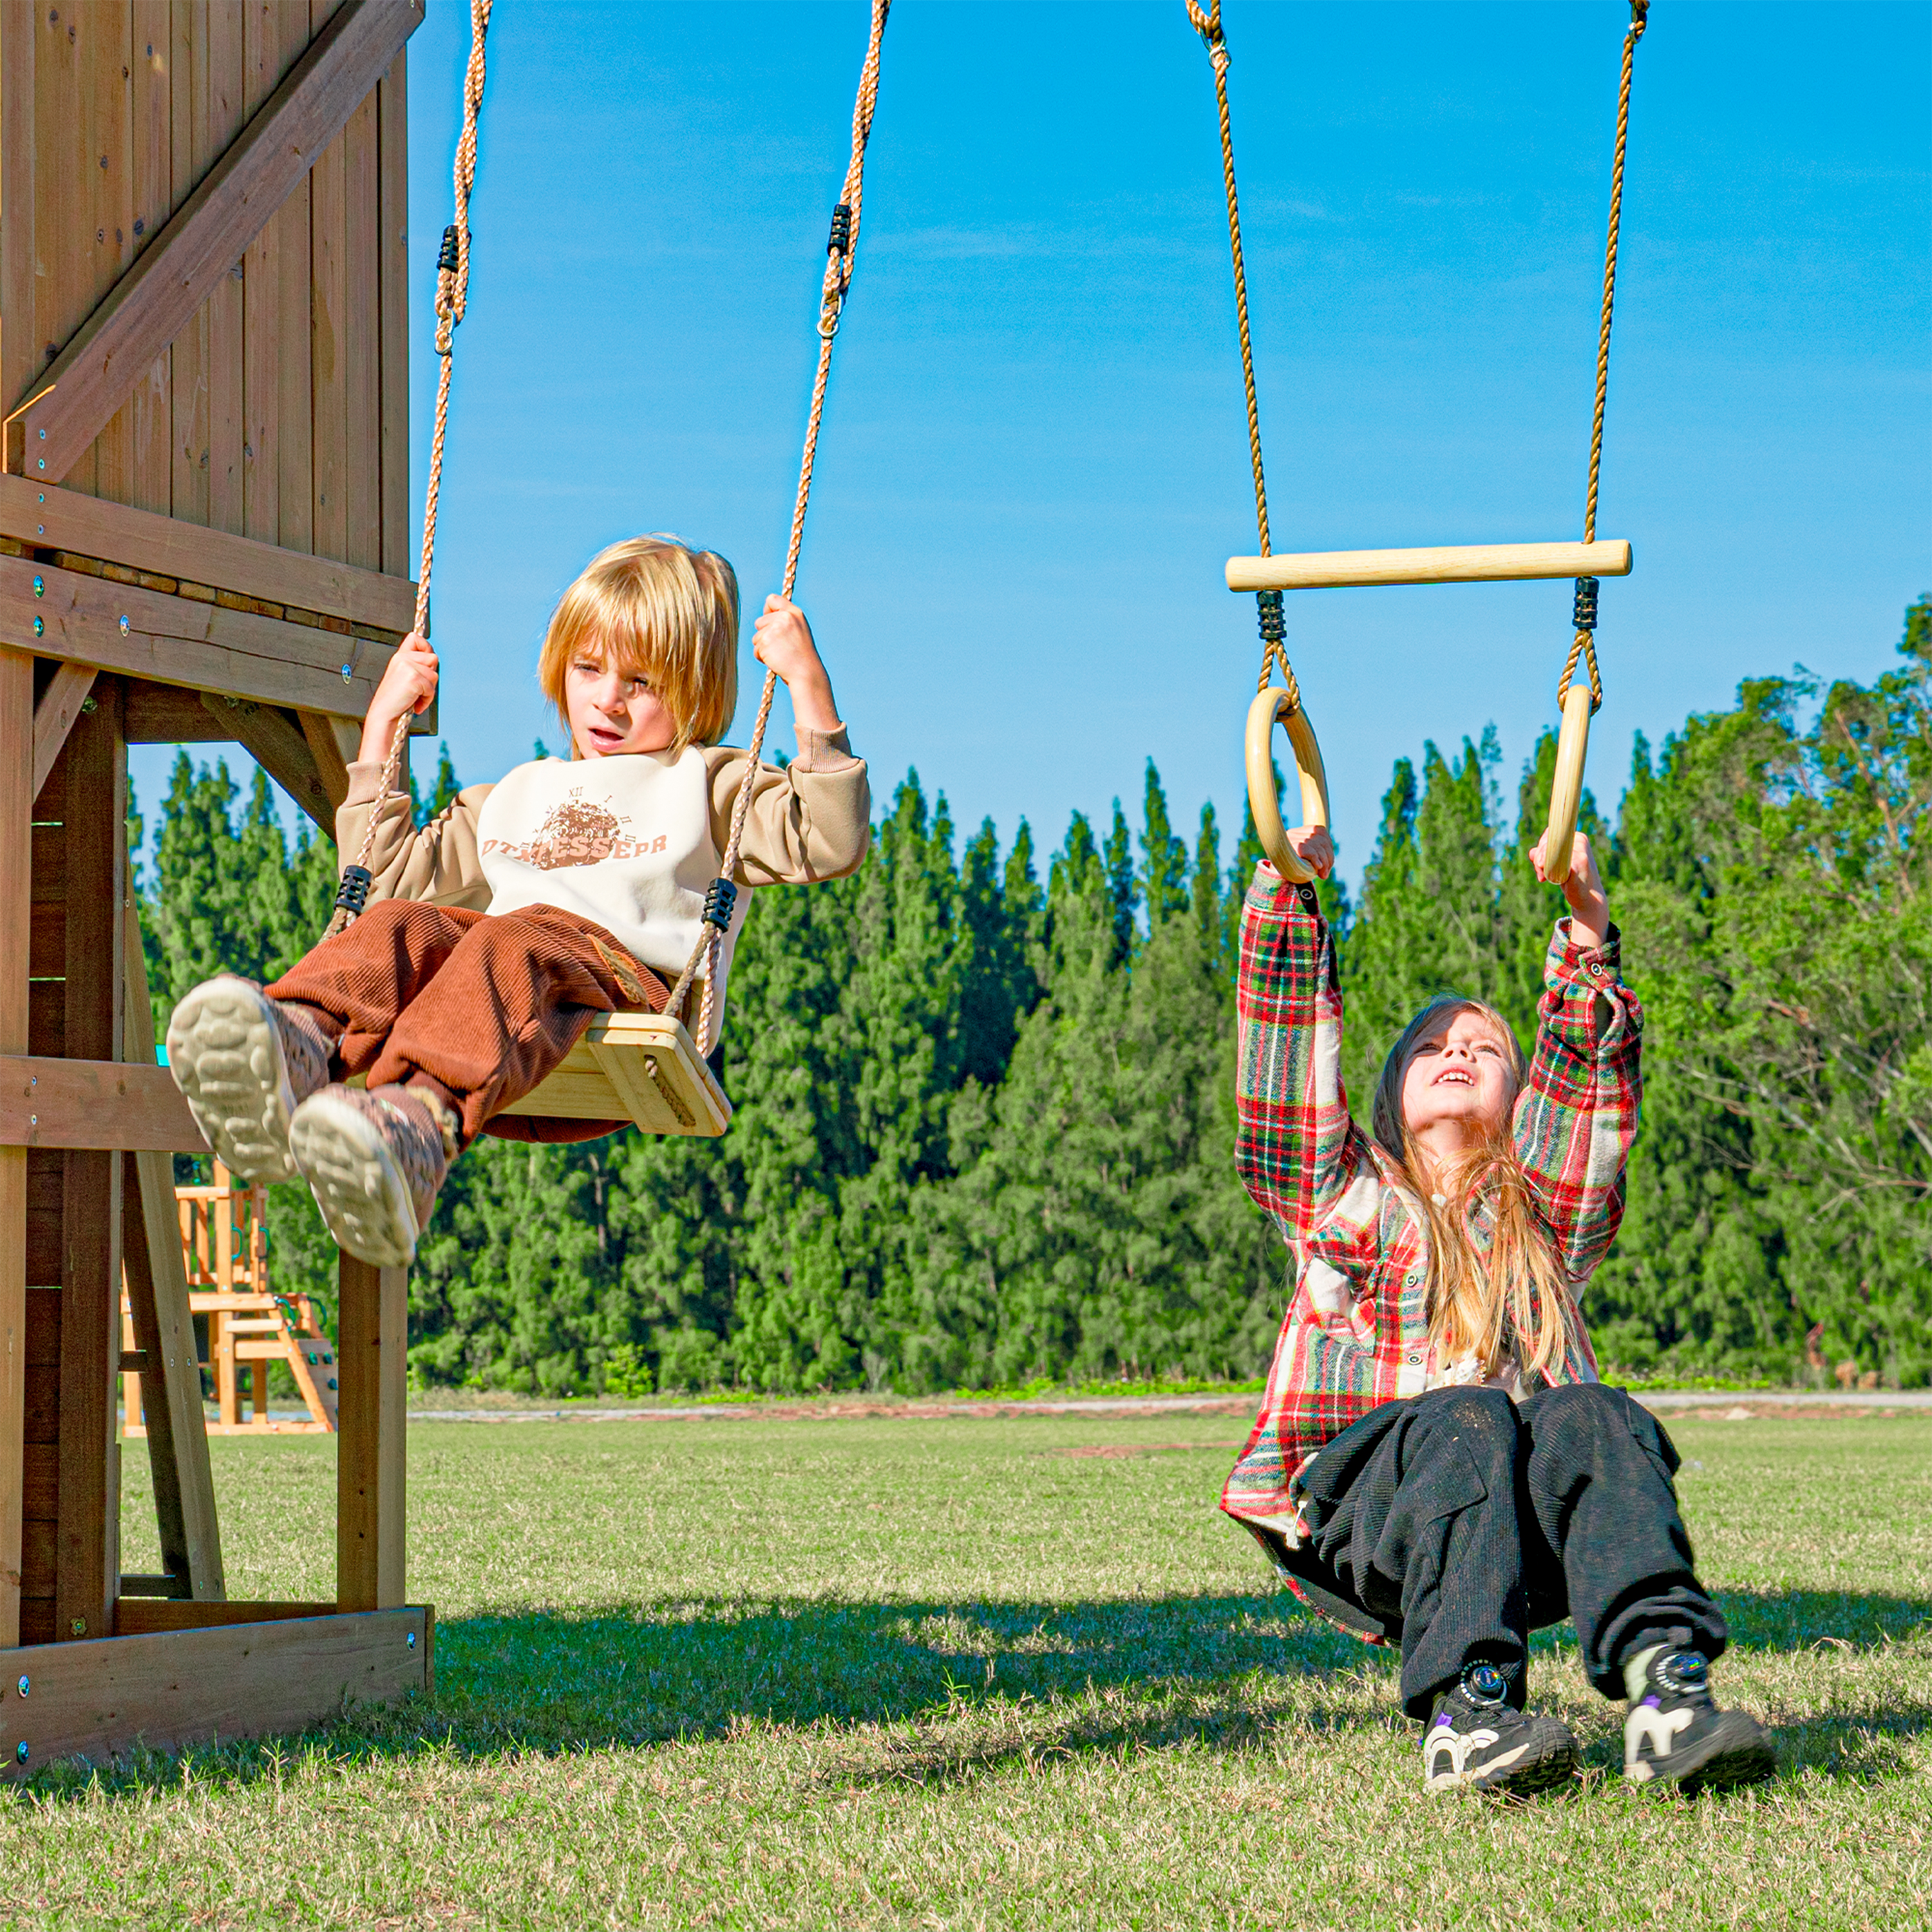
pixel 1512 1297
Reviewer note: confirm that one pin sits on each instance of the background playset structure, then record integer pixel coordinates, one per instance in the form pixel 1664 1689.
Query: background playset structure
pixel 204 520
pixel 224 1236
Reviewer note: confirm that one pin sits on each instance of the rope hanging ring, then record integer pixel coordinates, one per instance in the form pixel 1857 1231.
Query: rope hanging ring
pixel 1578 701
pixel 1271 703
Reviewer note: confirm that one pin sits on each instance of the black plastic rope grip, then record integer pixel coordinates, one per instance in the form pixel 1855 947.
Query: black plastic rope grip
pixel 720 896
pixel 449 258
pixel 840 242
pixel 1274 625
pixel 353 893
pixel 1585 617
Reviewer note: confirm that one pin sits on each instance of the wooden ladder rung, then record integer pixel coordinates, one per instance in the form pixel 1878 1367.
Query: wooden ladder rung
pixel 1451 563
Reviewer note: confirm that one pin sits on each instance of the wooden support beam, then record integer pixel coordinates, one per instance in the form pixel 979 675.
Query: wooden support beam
pixel 140 1616
pixel 1458 563
pixel 16 812
pixel 94 818
pixel 175 1687
pixel 372 1341
pixel 333 743
pixel 279 746
pixel 106 1106
pixel 167 714
pixel 53 716
pixel 19 346
pixel 66 408
pixel 47 518
pixel 176 640
pixel 158 1296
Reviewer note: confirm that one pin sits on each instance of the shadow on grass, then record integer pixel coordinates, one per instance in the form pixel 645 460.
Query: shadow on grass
pixel 933 1692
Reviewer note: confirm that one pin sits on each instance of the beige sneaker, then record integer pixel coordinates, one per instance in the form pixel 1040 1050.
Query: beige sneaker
pixel 244 1064
pixel 375 1161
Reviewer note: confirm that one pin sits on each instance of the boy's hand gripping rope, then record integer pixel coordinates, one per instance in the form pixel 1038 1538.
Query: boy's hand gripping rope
pixel 452 291
pixel 841 249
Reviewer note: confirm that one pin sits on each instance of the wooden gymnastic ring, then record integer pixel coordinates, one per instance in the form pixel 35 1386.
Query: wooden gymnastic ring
pixel 1269 704
pixel 1566 788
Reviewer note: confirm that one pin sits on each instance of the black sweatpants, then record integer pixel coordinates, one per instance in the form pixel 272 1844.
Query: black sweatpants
pixel 1471 1522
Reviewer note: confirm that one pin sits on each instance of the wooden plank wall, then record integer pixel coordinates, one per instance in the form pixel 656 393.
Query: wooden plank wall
pixel 281 413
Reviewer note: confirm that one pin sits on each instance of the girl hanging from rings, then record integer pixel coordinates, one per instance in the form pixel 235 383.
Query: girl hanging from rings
pixel 1436 1463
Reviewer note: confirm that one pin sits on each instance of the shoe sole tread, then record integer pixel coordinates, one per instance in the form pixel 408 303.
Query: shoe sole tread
pixel 226 1057
pixel 356 1182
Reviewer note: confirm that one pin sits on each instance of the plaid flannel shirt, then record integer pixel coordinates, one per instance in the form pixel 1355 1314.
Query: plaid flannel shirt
pixel 1357 1331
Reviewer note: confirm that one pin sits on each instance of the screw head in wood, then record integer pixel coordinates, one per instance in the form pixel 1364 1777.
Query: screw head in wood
pixel 411 1639
pixel 20 1753
pixel 25 1685
pixel 44 436
pixel 42 463
pixel 40 627
pixel 123 627
pixel 79 1626
pixel 39 586
pixel 348 673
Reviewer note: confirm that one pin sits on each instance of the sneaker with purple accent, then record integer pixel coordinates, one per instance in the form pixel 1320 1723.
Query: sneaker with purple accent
pixel 1675 1731
pixel 374 1161
pixel 1477 1740
pixel 244 1062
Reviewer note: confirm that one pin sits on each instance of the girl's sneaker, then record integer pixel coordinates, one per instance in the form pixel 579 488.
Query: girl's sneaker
pixel 1476 1740
pixel 244 1064
pixel 1674 1730
pixel 375 1161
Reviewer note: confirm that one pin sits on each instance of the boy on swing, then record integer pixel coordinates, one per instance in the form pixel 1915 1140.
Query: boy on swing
pixel 1436 1463
pixel 503 927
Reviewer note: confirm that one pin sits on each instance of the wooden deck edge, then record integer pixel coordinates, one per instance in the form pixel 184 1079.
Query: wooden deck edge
pixel 167 1689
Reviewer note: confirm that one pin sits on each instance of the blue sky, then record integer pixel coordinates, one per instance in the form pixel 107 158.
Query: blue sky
pixel 1034 461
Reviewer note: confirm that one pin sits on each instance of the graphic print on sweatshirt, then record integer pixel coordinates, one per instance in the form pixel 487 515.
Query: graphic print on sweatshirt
pixel 577 831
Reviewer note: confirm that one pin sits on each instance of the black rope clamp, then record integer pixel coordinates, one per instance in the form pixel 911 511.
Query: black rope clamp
pixel 1274 625
pixel 840 242
pixel 1585 616
pixel 353 894
pixel 450 257
pixel 720 896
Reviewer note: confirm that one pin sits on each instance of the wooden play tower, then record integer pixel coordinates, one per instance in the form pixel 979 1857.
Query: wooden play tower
pixel 204 536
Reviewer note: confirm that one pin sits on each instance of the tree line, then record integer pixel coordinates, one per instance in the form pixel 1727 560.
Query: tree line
pixel 984 1127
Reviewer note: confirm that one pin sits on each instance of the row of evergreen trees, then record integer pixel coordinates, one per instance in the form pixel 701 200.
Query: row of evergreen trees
pixel 985 1126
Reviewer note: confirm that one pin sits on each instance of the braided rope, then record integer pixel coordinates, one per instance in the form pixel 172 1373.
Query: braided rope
pixel 1583 645
pixel 452 292
pixel 1206 21
pixel 839 261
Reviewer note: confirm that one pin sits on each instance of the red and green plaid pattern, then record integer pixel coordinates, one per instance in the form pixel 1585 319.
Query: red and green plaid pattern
pixel 1357 1332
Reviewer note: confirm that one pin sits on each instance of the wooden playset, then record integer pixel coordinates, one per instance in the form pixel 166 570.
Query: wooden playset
pixel 204 535
pixel 224 1238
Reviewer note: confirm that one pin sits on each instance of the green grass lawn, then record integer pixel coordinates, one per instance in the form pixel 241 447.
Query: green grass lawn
pixel 1012 1672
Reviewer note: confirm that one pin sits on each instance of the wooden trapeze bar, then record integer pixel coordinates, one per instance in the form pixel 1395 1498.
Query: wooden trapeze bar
pixel 1454 563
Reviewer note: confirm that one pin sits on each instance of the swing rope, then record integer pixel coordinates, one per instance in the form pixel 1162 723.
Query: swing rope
pixel 841 248
pixel 452 292
pixel 1207 22
pixel 1583 645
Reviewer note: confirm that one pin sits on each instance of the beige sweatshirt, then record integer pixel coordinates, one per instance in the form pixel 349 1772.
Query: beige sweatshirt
pixel 628 844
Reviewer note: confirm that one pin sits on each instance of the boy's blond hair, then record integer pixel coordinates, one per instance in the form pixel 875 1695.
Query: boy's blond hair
pixel 657 609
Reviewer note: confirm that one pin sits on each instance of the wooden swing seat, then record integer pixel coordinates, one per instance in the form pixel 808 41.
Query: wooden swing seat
pixel 639 1067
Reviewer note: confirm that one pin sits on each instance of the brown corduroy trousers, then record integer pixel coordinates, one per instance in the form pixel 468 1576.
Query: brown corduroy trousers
pixel 477 1009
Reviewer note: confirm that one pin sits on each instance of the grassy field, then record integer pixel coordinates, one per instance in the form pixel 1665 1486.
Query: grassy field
pixel 1012 1672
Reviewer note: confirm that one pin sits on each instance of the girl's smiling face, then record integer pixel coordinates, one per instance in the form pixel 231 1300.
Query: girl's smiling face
pixel 1458 1073
pixel 613 711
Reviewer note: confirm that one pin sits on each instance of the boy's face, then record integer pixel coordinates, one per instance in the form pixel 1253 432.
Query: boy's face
pixel 613 711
